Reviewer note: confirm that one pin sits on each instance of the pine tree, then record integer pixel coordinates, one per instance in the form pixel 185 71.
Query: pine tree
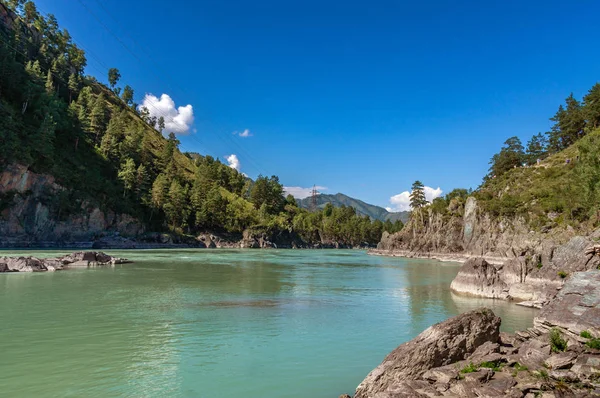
pixel 160 190
pixel 569 124
pixel 537 148
pixel 591 106
pixel 128 174
pixel 113 77
pixel 127 95
pixel 49 83
pixel 73 86
pixel 98 116
pixel 417 195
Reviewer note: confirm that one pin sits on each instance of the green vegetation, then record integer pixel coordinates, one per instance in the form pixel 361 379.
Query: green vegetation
pixel 519 368
pixel 593 343
pixel 557 342
pixel 417 195
pixel 563 274
pixel 585 334
pixel 553 181
pixel 470 368
pixel 558 174
pixel 543 374
pixel 495 366
pixel 108 153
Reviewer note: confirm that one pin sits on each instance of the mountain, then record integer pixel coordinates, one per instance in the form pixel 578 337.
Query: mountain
pixel 365 209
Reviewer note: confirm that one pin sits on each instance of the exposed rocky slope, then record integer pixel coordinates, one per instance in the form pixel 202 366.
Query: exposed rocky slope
pixel 470 232
pixel 467 356
pixel 29 213
pixel 533 279
pixel 78 259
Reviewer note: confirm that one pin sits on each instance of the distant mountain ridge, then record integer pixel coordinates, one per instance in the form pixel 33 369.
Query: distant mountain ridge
pixel 339 199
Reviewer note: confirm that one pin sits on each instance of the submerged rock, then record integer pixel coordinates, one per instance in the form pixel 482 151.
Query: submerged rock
pixel 33 264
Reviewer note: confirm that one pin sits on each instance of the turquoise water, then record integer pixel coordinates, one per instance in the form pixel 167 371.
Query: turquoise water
pixel 219 323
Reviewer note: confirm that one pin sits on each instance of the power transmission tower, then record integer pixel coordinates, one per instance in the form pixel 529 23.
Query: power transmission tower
pixel 313 198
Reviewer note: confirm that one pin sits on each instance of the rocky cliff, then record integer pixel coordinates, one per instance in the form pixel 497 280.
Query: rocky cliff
pixel 467 356
pixel 31 213
pixel 468 231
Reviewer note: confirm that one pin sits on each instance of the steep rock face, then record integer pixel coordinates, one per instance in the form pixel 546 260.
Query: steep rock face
pixel 28 214
pixel 472 233
pixel 439 345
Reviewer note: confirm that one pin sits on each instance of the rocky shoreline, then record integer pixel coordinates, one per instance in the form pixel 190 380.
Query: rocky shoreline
pixel 453 257
pixel 73 260
pixel 468 356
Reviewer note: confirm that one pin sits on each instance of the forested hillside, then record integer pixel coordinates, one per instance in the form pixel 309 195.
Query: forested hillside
pixel 362 208
pixel 106 153
pixel 533 197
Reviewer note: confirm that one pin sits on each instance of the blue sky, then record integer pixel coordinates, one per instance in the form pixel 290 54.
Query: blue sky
pixel 358 97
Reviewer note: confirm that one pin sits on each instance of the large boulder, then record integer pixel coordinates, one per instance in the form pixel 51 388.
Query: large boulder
pixel 23 264
pixel 477 277
pixel 576 307
pixel 441 344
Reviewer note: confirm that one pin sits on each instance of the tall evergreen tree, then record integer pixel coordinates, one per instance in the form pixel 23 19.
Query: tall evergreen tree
pixel 113 77
pixel 127 95
pixel 569 124
pixel 128 174
pixel 591 106
pixel 537 148
pixel 510 156
pixel 417 195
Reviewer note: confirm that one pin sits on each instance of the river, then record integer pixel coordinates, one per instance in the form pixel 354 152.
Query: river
pixel 220 323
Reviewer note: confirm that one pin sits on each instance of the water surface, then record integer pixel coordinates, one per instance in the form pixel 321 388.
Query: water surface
pixel 220 323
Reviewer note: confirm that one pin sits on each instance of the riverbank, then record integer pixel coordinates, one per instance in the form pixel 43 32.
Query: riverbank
pixel 468 356
pixel 454 257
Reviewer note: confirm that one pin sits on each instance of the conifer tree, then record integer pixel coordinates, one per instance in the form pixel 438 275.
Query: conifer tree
pixel 591 106
pixel 128 174
pixel 417 195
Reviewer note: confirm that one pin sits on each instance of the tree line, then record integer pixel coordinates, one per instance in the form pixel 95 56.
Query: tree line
pixel 572 121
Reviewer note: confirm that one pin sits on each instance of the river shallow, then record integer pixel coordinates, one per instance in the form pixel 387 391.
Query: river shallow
pixel 220 323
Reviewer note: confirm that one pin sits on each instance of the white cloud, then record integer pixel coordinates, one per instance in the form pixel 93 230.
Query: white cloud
pixel 177 120
pixel 401 202
pixel 244 134
pixel 301 193
pixel 233 161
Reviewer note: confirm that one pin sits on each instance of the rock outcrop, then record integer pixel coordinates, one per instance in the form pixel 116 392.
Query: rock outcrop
pixel 31 214
pixel 78 259
pixel 439 345
pixel 576 307
pixel 534 280
pixel 558 357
